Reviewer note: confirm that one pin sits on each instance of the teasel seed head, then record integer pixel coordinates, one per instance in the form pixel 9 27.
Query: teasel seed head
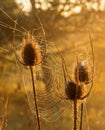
pixel 83 73
pixel 31 54
pixel 75 91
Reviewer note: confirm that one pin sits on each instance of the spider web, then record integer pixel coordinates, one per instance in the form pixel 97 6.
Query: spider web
pixel 48 78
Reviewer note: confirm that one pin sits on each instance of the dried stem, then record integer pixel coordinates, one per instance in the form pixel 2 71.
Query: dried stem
pixel 35 98
pixel 81 116
pixel 75 115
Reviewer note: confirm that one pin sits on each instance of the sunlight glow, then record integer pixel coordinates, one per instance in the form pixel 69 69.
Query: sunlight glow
pixel 77 9
pixel 45 5
pixel 102 5
pixel 73 1
pixel 24 3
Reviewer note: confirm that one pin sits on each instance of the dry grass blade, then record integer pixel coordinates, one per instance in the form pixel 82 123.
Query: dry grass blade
pixel 4 115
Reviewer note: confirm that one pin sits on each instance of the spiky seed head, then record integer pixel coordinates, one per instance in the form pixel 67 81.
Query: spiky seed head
pixel 31 52
pixel 75 91
pixel 83 73
pixel 82 90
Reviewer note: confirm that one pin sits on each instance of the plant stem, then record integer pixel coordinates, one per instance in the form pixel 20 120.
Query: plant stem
pixel 81 118
pixel 35 98
pixel 75 115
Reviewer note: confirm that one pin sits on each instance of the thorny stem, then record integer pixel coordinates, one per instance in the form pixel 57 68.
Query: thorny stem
pixel 75 101
pixel 81 116
pixel 75 115
pixel 35 98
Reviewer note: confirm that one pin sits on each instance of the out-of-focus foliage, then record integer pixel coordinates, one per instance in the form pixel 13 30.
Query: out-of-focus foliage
pixel 57 17
pixel 9 6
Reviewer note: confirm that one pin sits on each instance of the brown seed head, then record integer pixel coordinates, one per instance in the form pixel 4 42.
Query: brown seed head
pixel 75 91
pixel 82 73
pixel 31 53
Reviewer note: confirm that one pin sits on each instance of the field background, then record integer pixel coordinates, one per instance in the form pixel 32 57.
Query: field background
pixel 62 32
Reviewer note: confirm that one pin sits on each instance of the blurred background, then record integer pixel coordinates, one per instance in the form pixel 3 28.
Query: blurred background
pixel 65 23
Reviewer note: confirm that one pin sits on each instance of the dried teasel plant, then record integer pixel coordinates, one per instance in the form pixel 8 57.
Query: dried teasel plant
pixel 30 56
pixel 77 90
